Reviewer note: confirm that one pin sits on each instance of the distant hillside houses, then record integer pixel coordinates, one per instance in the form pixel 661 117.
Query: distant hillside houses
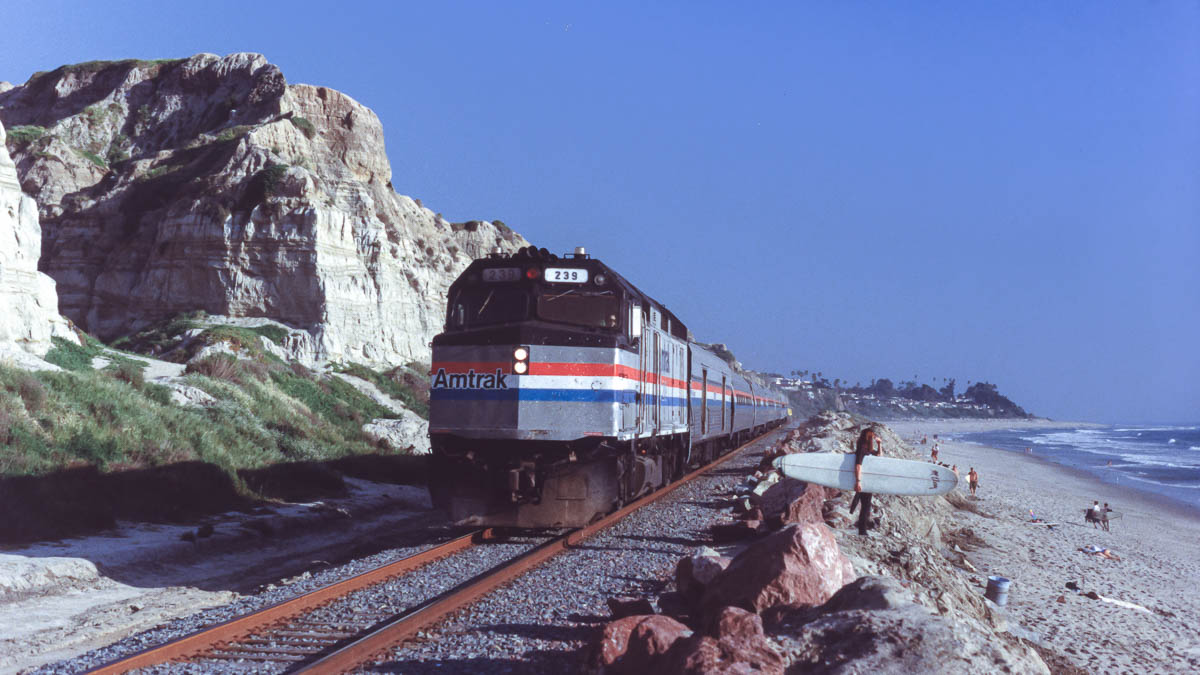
pixel 882 399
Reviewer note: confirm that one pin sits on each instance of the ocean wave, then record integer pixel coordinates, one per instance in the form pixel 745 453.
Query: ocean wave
pixel 1194 447
pixel 1157 429
pixel 1170 485
pixel 1148 460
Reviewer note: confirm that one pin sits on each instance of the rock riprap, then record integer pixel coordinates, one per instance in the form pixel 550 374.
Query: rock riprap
pixel 210 183
pixel 29 315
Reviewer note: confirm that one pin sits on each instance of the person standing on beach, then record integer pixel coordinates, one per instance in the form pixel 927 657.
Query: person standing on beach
pixel 869 443
pixel 973 480
pixel 1104 516
pixel 934 453
pixel 1093 514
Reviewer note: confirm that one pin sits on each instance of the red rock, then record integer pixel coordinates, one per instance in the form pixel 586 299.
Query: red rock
pixel 649 644
pixel 614 641
pixel 738 647
pixel 637 644
pixel 777 497
pixel 797 566
pixel 625 606
pixel 808 507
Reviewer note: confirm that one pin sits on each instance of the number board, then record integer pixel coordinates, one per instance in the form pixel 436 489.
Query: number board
pixel 502 274
pixel 569 275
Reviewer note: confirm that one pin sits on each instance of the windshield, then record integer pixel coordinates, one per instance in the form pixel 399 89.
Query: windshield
pixel 477 306
pixel 599 310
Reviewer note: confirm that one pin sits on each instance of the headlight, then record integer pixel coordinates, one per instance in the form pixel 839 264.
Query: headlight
pixel 520 364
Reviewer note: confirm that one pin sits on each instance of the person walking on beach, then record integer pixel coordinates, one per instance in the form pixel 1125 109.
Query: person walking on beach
pixel 934 453
pixel 869 443
pixel 1093 514
pixel 1104 516
pixel 973 480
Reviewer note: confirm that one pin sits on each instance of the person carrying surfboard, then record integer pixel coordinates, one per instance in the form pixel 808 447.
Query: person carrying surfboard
pixel 869 443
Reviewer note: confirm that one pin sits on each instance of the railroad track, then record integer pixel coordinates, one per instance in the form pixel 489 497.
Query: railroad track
pixel 294 635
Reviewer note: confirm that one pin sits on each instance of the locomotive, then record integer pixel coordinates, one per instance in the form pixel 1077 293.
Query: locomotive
pixel 559 391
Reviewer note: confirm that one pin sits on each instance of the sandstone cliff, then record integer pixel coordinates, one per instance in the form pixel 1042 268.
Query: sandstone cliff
pixel 212 184
pixel 28 303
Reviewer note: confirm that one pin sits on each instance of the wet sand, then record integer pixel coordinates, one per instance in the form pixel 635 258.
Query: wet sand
pixel 1158 543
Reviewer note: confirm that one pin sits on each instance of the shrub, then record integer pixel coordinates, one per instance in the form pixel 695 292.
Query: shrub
pixel 217 366
pixel 130 371
pixel 92 157
pixel 32 393
pixel 400 383
pixel 272 176
pixel 274 333
pixel 160 394
pixel 24 134
pixel 70 356
pixel 5 426
pixel 233 133
pixel 305 126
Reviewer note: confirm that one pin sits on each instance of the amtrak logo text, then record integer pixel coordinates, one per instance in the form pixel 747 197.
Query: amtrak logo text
pixel 469 380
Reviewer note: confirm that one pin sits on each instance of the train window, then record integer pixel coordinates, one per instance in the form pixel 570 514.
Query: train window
pixel 723 390
pixel 476 306
pixel 601 310
pixel 635 321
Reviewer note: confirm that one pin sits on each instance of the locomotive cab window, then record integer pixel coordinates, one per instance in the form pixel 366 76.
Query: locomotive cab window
pixel 598 310
pixel 478 306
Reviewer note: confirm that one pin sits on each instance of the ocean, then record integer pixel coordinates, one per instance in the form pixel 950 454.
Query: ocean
pixel 1159 459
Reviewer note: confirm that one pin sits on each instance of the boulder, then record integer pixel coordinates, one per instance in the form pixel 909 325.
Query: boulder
pixel 808 507
pixel 409 432
pixel 637 644
pixel 738 645
pixel 694 573
pixel 798 565
pixel 779 495
pixel 622 607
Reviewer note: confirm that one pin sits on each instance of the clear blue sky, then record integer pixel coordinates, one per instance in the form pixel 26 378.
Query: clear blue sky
pixel 1003 191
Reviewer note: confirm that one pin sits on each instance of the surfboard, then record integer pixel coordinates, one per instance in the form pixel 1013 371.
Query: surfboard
pixel 880 475
pixel 1112 515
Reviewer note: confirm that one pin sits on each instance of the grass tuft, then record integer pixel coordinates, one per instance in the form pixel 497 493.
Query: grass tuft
pixel 307 127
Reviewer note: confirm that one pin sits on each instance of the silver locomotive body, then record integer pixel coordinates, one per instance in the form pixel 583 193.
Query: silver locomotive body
pixel 559 391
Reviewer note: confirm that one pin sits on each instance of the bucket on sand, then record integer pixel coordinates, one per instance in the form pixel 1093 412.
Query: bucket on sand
pixel 997 590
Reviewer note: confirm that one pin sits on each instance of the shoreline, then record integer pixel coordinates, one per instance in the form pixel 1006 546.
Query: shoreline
pixel 1159 501
pixel 1157 541
pixel 907 428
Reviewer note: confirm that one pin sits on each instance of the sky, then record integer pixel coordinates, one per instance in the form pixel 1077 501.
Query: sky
pixel 1005 192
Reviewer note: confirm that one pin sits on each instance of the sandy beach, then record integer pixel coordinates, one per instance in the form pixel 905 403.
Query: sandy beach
pixel 1152 626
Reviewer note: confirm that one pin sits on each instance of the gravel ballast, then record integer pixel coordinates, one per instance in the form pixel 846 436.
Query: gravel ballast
pixel 540 622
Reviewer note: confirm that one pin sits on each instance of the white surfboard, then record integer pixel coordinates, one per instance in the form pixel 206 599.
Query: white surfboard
pixel 880 475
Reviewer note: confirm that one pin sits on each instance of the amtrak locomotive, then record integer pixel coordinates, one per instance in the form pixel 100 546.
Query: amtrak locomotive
pixel 560 391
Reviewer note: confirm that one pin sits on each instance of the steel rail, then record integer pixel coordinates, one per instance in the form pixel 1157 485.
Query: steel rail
pixel 245 625
pixel 405 625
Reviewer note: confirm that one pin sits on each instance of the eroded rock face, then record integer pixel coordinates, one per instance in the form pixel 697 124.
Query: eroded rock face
pixel 210 183
pixel 28 302
pixel 873 625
